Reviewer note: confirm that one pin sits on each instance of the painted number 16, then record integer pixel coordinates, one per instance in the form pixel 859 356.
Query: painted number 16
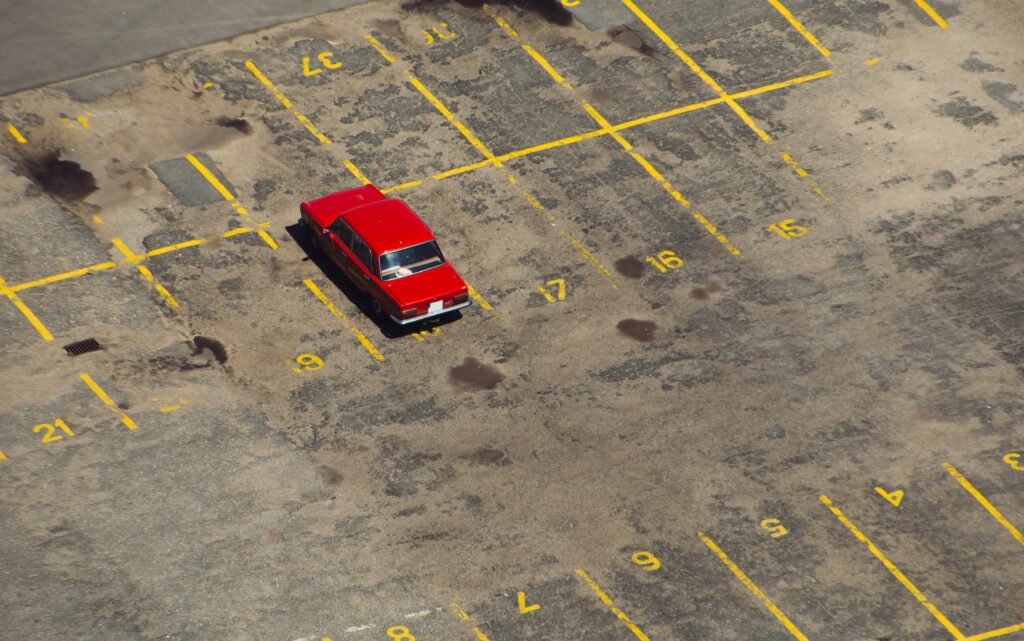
pixel 665 260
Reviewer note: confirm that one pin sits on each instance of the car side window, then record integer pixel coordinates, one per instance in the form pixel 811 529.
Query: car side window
pixel 342 231
pixel 362 252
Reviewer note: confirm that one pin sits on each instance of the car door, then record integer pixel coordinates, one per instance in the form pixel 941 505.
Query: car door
pixel 339 232
pixel 362 267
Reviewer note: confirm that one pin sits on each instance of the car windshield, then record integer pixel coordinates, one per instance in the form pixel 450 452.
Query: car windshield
pixel 410 260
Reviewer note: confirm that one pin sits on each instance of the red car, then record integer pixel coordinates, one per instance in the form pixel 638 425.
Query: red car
pixel 385 250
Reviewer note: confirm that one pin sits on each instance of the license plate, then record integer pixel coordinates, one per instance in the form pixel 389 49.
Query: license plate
pixel 436 306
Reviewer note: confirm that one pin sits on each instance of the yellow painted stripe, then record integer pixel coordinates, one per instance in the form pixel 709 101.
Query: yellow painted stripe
pixel 694 67
pixel 540 60
pixel 360 176
pixel 800 28
pixel 251 66
pixel 15 133
pixel 148 275
pixel 478 298
pixel 26 312
pixel 210 178
pixel 980 498
pixel 872 61
pixel 178 246
pixel 267 238
pixel 504 25
pixel 129 255
pixel 376 44
pixel 98 391
pixel 589 257
pixel 365 342
pixel 637 632
pixel 63 276
pixel 895 571
pixel 991 634
pixel 927 8
pixel 464 130
pixel 405 185
pixel 750 585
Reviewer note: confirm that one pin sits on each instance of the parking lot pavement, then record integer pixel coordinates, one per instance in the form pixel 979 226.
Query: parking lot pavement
pixel 743 361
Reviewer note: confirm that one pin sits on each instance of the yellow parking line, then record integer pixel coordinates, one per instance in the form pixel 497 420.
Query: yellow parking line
pixel 605 599
pixel 459 612
pixel 696 68
pixel 479 299
pixel 991 634
pixel 927 8
pixel 23 308
pixel 228 196
pixel 597 133
pixel 132 258
pixel 491 159
pixel 800 28
pixel 75 273
pixel 15 133
pixel 750 585
pixel 365 342
pixel 625 144
pixel 980 498
pixel 98 391
pixel 895 571
pixel 251 66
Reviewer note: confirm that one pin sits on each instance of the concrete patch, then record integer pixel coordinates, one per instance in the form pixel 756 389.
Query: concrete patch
pixel 102 85
pixel 187 184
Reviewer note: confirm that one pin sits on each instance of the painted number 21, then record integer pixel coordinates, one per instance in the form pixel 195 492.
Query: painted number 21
pixel 51 436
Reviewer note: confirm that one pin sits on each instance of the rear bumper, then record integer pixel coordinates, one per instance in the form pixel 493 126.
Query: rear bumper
pixel 416 319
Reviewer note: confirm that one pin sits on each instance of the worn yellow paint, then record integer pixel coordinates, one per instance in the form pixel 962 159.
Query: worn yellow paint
pixel 750 585
pixel 991 634
pixel 801 172
pixel 927 8
pixel 337 313
pixel 310 127
pixel 872 61
pixel 800 28
pixel 696 68
pixel 360 176
pixel 381 49
pixel 895 571
pixel 15 133
pixel 634 628
pixel 210 178
pixel 98 391
pixel 980 498
pixel 12 296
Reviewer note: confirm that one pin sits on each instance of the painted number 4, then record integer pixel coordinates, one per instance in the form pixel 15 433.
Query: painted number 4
pixel 325 58
pixel 789 229
pixel 559 290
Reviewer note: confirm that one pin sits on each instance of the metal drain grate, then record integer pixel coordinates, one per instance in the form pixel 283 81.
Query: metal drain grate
pixel 81 347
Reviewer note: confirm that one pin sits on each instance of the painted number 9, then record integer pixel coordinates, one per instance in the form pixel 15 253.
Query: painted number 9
pixel 646 560
pixel 308 362
pixel 400 633
pixel 1013 460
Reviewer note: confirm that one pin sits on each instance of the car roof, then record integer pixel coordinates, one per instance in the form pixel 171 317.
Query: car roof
pixel 387 225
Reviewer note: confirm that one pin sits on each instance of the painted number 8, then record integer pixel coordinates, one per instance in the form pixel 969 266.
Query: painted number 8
pixel 646 560
pixel 401 633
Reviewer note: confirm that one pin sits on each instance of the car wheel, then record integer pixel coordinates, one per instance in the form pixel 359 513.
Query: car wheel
pixel 377 309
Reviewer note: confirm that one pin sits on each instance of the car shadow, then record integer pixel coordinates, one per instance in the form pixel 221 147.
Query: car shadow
pixel 388 328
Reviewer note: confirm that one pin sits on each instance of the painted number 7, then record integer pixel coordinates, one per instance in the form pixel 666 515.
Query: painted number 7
pixel 789 229
pixel 559 294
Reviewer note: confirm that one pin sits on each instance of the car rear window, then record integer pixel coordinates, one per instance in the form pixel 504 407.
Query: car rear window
pixel 411 260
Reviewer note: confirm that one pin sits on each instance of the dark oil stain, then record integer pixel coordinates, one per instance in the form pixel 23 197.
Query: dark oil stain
pixel 238 124
pixel 551 10
pixel 639 330
pixel 488 455
pixel 628 37
pixel 63 179
pixel 212 344
pixel 630 267
pixel 389 27
pixel 704 293
pixel 474 375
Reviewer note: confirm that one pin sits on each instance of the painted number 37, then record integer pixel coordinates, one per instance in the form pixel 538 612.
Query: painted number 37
pixel 326 59
pixel 1013 459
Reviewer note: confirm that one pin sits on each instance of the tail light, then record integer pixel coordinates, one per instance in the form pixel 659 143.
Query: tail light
pixel 408 312
pixel 461 298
